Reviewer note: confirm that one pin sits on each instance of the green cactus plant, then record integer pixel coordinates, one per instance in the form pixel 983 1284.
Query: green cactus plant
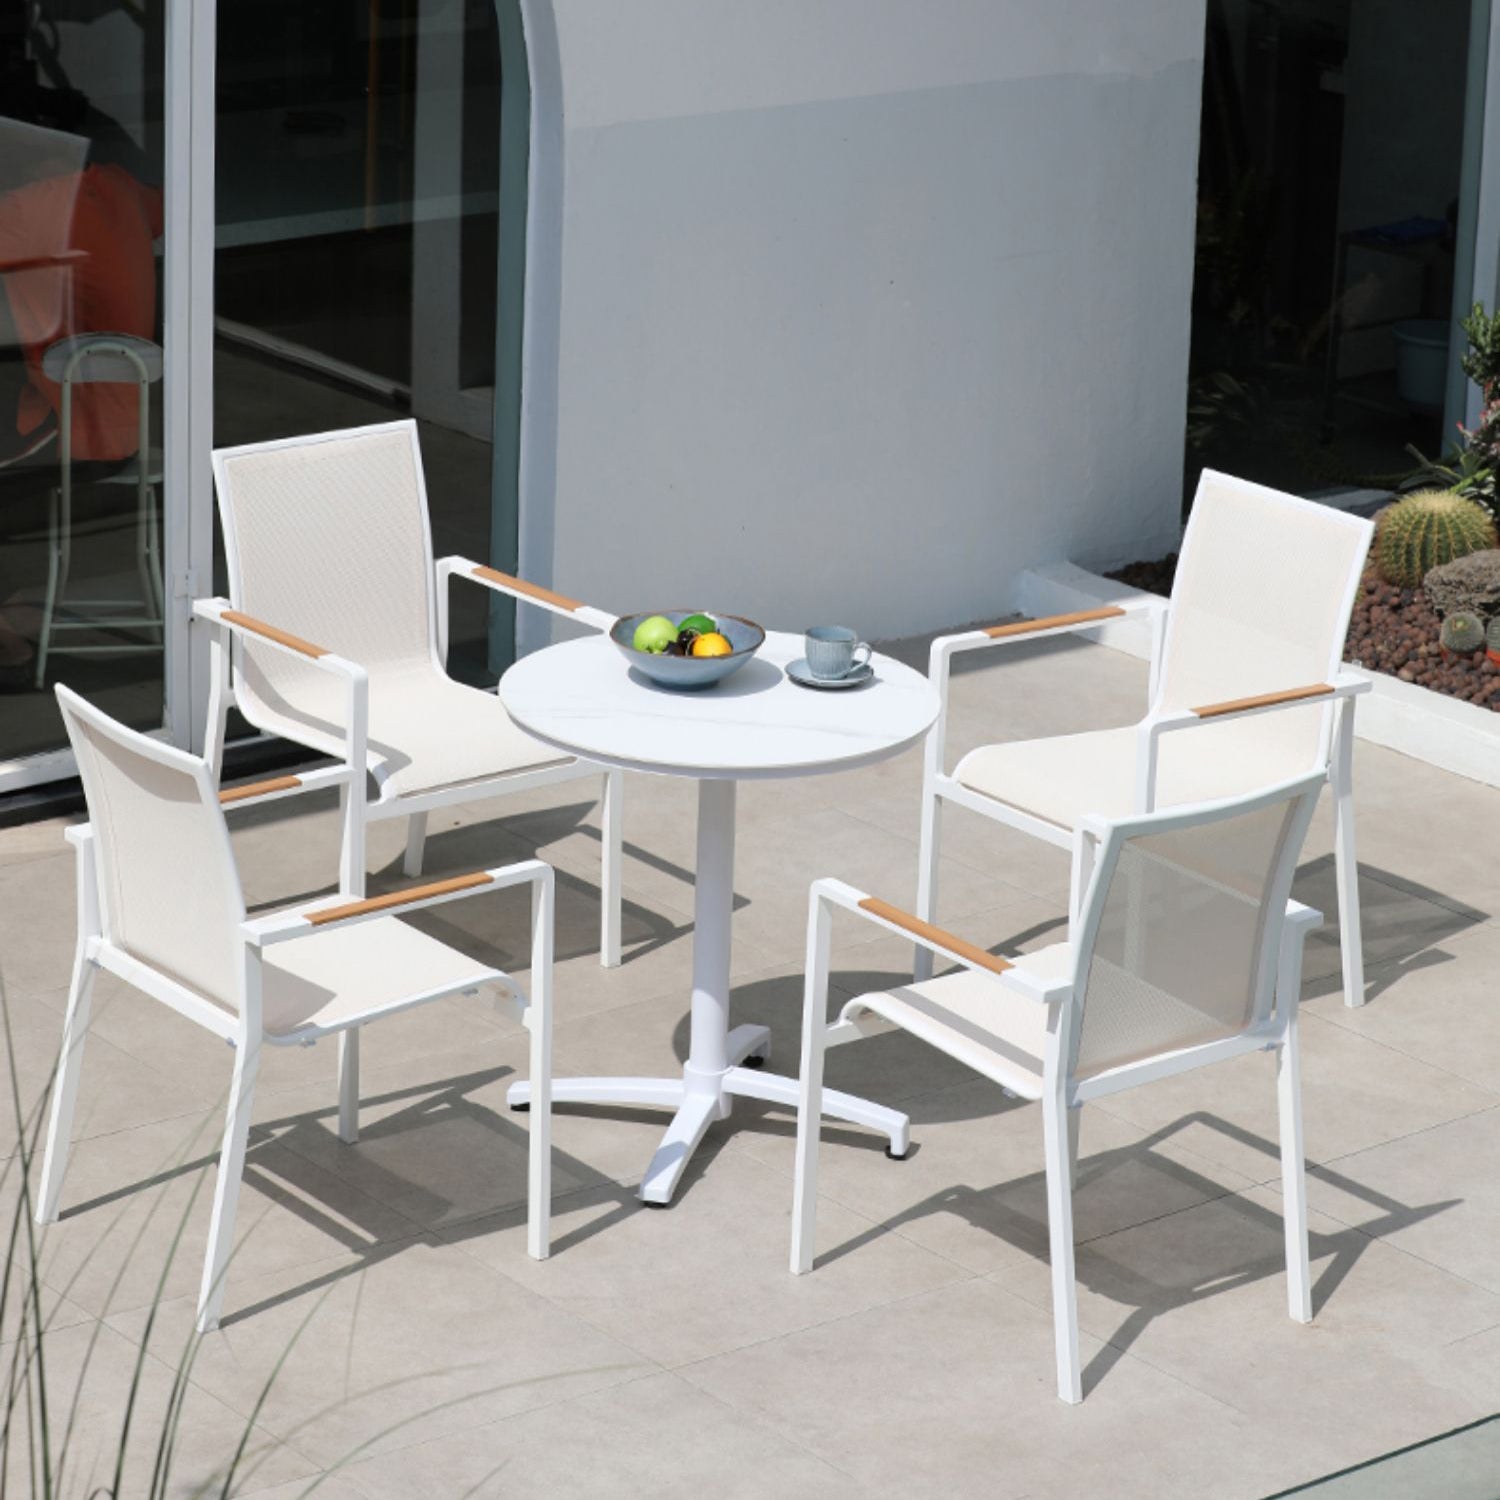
pixel 1492 641
pixel 1463 634
pixel 1427 529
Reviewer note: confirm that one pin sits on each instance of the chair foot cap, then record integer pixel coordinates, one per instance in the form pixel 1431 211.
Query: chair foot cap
pixel 523 1108
pixel 898 1155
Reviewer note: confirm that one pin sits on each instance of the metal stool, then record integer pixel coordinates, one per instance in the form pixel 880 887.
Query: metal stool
pixel 103 359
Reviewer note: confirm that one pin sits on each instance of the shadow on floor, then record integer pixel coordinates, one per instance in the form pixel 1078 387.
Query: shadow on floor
pixel 1253 1247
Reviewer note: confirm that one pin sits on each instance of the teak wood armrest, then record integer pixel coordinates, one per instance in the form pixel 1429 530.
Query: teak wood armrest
pixel 399 898
pixel 271 633
pixel 937 936
pixel 1263 700
pixel 259 789
pixel 1055 622
pixel 532 590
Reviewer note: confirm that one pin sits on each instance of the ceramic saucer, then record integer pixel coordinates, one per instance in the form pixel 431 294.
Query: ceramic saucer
pixel 802 675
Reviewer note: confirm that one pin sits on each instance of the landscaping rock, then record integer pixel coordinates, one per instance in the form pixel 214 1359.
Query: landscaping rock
pixel 1469 583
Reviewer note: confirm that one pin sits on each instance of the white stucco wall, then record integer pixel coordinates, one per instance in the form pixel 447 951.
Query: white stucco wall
pixel 864 306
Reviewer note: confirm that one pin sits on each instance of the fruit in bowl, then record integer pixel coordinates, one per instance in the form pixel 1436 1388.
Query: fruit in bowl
pixel 686 648
pixel 655 633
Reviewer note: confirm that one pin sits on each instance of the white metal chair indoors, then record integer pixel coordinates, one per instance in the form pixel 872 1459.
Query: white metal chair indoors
pixel 1185 950
pixel 340 619
pixel 160 905
pixel 103 359
pixel 1245 690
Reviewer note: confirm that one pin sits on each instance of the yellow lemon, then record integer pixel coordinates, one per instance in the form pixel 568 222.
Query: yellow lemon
pixel 712 644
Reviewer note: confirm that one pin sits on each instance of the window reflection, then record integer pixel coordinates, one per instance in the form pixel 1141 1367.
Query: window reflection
pixel 80 365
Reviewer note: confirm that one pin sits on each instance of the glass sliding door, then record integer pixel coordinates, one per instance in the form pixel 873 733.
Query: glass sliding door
pixel 357 224
pixel 83 377
pixel 1337 198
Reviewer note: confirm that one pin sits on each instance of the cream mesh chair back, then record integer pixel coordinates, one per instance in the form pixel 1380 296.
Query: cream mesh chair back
pixel 328 537
pixel 1264 590
pixel 1181 933
pixel 169 893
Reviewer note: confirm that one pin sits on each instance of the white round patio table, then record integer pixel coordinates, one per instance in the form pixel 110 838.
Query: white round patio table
pixel 584 698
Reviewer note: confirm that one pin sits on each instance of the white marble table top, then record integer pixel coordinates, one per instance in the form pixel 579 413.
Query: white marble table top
pixel 584 698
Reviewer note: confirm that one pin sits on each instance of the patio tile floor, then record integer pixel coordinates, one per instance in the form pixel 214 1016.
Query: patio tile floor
pixel 664 1354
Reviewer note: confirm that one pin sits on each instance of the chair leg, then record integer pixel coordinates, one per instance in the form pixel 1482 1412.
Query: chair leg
pixel 49 600
pixel 810 1091
pixel 612 817
pixel 927 876
pixel 227 1188
pixel 539 1022
pixel 65 1091
pixel 416 840
pixel 145 559
pixel 1075 1119
pixel 1293 1176
pixel 352 874
pixel 349 1085
pixel 1060 1232
pixel 153 552
pixel 1351 938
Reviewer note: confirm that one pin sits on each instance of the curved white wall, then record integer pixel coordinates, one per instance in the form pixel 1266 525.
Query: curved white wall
pixel 863 306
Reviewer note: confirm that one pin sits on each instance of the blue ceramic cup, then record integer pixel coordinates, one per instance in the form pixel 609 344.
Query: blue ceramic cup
pixel 831 651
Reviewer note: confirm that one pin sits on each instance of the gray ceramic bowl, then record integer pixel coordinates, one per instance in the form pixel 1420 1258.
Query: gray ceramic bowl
pixel 689 671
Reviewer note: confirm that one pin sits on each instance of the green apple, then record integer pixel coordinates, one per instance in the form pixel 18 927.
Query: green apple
pixel 654 634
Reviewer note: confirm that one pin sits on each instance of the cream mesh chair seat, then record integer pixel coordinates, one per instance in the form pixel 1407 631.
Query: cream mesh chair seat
pixel 1184 950
pixel 160 905
pixel 426 732
pixel 335 636
pixel 339 975
pixel 1058 779
pixel 1246 690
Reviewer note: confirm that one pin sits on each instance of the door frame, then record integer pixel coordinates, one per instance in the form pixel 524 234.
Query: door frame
pixel 1476 271
pixel 187 384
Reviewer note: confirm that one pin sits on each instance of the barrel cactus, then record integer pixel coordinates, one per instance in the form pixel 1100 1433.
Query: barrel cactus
pixel 1426 530
pixel 1492 640
pixel 1463 634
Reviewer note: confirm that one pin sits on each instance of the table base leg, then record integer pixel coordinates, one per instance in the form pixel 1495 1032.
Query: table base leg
pixel 774 1089
pixel 746 1041
pixel 649 1093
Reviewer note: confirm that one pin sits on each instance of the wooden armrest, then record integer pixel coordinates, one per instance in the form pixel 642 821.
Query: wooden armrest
pixel 271 633
pixel 936 935
pixel 259 789
pixel 1055 622
pixel 532 590
pixel 1263 700
pixel 399 898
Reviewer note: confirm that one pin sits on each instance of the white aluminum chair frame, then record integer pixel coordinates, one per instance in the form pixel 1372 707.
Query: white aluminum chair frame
pixel 149 611
pixel 1096 847
pixel 1335 756
pixel 357 809
pixel 243 1029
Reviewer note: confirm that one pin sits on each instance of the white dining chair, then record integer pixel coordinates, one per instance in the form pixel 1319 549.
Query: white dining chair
pixel 1246 689
pixel 160 906
pixel 1185 950
pixel 335 636
pixel 103 359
